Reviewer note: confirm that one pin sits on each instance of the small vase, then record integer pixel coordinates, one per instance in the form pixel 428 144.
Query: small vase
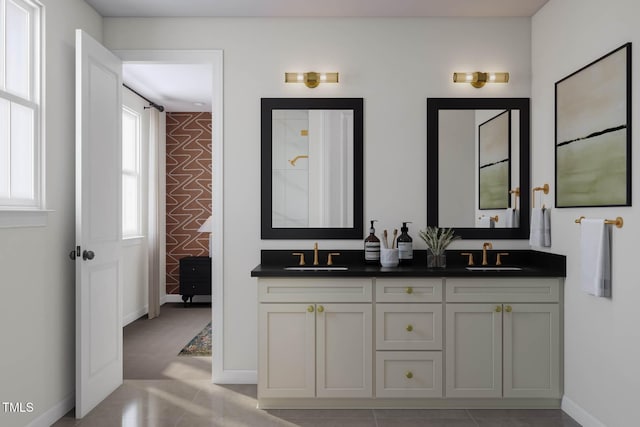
pixel 436 261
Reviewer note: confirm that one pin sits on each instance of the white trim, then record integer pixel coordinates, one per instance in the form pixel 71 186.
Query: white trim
pixel 213 57
pixel 178 298
pixel 22 218
pixel 35 100
pixel 132 317
pixel 232 376
pixel 579 414
pixel 54 413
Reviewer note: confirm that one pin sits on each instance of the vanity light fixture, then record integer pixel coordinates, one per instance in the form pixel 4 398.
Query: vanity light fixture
pixel 311 78
pixel 478 79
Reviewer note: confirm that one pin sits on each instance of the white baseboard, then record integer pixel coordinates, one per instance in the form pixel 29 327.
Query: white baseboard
pixel 178 298
pixel 132 317
pixel 54 413
pixel 579 414
pixel 231 376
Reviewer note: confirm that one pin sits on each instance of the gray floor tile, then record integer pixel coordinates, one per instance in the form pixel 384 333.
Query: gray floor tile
pixel 429 414
pixel 418 422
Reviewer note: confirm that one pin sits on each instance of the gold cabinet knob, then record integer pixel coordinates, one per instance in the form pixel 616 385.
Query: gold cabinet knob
pixel 310 309
pixel 320 309
pixel 498 309
pixel 409 290
pixel 508 309
pixel 409 328
pixel 409 374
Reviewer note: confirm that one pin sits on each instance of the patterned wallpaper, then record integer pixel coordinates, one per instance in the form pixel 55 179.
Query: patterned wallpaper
pixel 188 189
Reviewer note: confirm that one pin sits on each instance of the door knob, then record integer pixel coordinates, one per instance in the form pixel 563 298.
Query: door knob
pixel 88 255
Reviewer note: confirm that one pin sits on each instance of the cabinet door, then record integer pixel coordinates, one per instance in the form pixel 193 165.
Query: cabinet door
pixel 344 350
pixel 473 350
pixel 286 362
pixel 531 350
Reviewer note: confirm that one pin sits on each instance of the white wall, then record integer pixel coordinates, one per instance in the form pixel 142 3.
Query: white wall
pixel 602 336
pixel 37 280
pixel 394 64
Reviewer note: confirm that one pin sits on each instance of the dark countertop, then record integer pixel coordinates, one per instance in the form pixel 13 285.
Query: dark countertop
pixel 533 264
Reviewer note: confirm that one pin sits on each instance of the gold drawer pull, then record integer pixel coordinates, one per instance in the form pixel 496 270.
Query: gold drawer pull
pixel 508 309
pixel 310 309
pixel 409 374
pixel 409 328
pixel 499 309
pixel 320 309
pixel 409 290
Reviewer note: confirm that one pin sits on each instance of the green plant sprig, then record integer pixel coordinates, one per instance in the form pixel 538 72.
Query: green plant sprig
pixel 437 239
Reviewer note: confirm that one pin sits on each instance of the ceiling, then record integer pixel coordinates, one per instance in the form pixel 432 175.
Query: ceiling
pixel 178 87
pixel 316 8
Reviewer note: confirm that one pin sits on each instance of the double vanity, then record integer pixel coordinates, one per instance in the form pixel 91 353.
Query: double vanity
pixel 342 334
pixel 359 336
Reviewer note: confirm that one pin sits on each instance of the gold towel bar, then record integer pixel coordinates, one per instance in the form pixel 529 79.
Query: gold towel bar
pixel 544 189
pixel 516 194
pixel 493 218
pixel 618 222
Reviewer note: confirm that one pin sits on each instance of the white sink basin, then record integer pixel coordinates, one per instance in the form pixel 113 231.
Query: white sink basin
pixel 493 268
pixel 317 268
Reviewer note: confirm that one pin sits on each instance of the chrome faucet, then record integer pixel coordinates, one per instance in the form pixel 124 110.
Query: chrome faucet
pixel 485 246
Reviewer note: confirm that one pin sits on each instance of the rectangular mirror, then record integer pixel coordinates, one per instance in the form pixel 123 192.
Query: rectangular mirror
pixel 478 155
pixel 312 173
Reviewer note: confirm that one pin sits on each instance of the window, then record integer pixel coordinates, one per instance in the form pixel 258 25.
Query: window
pixel 131 179
pixel 21 187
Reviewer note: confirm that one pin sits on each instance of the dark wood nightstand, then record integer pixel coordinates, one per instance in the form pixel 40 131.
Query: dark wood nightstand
pixel 195 277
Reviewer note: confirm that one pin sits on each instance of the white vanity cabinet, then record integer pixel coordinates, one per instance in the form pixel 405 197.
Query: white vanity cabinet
pixel 315 338
pixel 408 337
pixel 410 342
pixel 503 338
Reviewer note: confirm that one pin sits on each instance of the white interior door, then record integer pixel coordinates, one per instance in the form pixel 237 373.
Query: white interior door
pixel 98 223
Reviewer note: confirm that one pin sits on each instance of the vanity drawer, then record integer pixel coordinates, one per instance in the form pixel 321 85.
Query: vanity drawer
pixel 408 374
pixel 512 289
pixel 409 326
pixel 314 290
pixel 408 290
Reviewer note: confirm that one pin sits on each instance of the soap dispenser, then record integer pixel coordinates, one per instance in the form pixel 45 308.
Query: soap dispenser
pixel 405 245
pixel 372 246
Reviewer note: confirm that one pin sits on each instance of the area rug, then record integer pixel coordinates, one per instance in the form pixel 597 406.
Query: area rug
pixel 200 345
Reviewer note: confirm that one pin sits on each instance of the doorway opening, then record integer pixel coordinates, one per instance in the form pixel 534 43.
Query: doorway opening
pixel 187 96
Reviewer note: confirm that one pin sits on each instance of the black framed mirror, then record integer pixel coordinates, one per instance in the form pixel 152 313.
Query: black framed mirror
pixel 458 139
pixel 312 168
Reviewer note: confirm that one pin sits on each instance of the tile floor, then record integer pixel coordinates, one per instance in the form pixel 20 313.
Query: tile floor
pixel 195 403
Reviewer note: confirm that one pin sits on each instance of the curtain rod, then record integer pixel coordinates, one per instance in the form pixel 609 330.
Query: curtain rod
pixel 151 103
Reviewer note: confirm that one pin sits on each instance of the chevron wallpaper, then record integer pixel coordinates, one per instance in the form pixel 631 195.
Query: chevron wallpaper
pixel 188 189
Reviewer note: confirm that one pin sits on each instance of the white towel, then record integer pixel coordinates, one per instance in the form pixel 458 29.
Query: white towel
pixel 486 222
pixel 546 227
pixel 511 218
pixel 536 234
pixel 595 248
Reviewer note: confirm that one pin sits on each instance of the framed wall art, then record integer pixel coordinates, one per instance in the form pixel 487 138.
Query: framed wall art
pixel 494 162
pixel 593 133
